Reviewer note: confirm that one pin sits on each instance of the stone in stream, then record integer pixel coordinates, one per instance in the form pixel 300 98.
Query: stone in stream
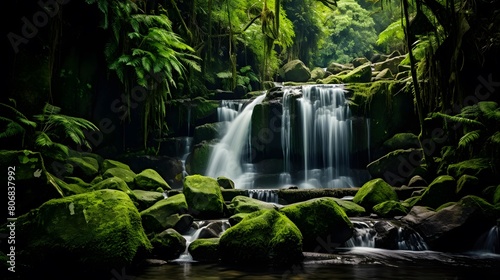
pixel 203 196
pixel 168 245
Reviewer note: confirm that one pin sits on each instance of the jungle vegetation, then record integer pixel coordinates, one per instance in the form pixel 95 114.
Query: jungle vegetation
pixel 138 55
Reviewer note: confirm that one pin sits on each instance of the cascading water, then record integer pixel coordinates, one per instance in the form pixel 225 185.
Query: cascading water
pixel 490 241
pixel 228 110
pixel 226 156
pixel 325 128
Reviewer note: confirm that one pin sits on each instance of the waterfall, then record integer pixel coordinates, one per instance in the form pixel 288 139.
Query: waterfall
pixel 225 158
pixel 228 110
pixel 325 127
pixel 363 236
pixel 489 242
pixel 410 240
pixel 264 195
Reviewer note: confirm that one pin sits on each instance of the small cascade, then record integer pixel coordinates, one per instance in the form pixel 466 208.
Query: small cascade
pixel 323 127
pixel 187 143
pixel 228 110
pixel 265 195
pixel 226 156
pixel 216 227
pixel 489 242
pixel 410 240
pixel 364 235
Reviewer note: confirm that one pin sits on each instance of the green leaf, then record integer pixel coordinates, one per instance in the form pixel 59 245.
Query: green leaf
pixel 468 138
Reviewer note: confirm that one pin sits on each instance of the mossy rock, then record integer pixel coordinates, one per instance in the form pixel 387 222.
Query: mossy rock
pixel 109 163
pixel 168 245
pixel 205 250
pixel 203 196
pixel 245 204
pixel 332 79
pixel 155 218
pixel 197 161
pixel 115 183
pixel 322 222
pixel 147 199
pixel 84 167
pixel 236 218
pixel 374 192
pixel 390 209
pixel 265 237
pixel 126 175
pixel 350 208
pixel 360 74
pixel 481 168
pixel 91 231
pixel 209 132
pixel 468 185
pixel 440 190
pixel 78 181
pixel 401 141
pixel 149 180
pixel 295 71
pixel 396 167
pixel 225 183
pixel 71 188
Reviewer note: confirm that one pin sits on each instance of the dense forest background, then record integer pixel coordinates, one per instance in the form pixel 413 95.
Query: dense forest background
pixel 119 64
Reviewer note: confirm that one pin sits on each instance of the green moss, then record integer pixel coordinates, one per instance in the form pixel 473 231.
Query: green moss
pixel 319 219
pixel 360 74
pixel 155 218
pixel 147 199
pixel 225 183
pixel 350 208
pixel 95 229
pixel 478 167
pixel 149 179
pixel 496 195
pixel 390 209
pixel 84 167
pixel 168 245
pixel 245 204
pixel 124 174
pixel 115 183
pixel 263 237
pixel 440 190
pixel 203 196
pixel 374 192
pixel 109 163
pixel 205 249
pixel 236 218
pixel 197 162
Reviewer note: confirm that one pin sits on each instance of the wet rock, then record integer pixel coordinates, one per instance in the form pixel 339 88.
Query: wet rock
pixel 321 221
pixel 126 175
pixel 417 181
pixel 155 218
pixel 468 185
pixel 115 183
pixel 350 208
pixel 147 199
pixel 295 71
pixel 374 192
pixel 84 167
pixel 391 64
pixel 265 237
pixel 150 180
pixel 336 68
pixel 168 245
pixel 245 204
pixel 453 228
pixel 395 167
pixel 359 61
pixel 360 74
pixel 203 196
pixel 91 231
pixel 390 209
pixel 205 250
pixel 225 182
pixel 109 163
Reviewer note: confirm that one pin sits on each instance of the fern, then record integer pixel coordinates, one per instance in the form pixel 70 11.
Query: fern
pixel 458 119
pixel 468 138
pixel 490 110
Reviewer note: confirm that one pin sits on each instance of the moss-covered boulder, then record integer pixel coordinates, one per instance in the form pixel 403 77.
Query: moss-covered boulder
pixel 265 237
pixel 146 199
pixel 454 228
pixel 205 250
pixel 323 223
pixel 29 178
pixel 391 64
pixel 245 204
pixel 295 71
pixel 150 180
pixel 197 161
pixel 374 192
pixel 440 190
pixel 109 163
pixel 390 209
pixel 155 218
pixel 360 74
pixel 402 141
pixel 180 222
pixel 350 208
pixel 203 196
pixel 468 185
pixel 481 168
pixel 91 231
pixel 126 175
pixel 396 167
pixel 209 132
pixel 236 218
pixel 225 183
pixel 496 195
pixel 168 245
pixel 84 167
pixel 115 183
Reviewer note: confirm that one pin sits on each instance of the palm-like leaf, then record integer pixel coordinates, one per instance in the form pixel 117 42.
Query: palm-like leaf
pixel 468 138
pixel 458 119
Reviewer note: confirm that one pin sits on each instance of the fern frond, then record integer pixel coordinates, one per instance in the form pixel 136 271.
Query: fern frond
pixel 468 138
pixel 12 128
pixel 458 119
pixel 490 110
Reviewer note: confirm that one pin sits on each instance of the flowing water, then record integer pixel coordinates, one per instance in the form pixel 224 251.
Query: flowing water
pixel 225 159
